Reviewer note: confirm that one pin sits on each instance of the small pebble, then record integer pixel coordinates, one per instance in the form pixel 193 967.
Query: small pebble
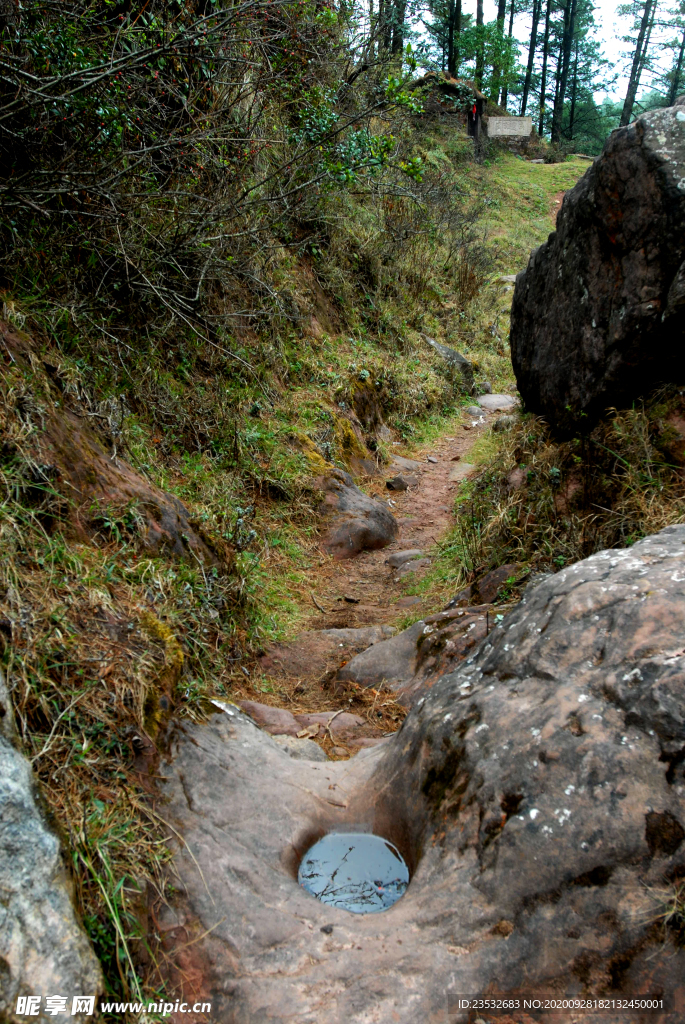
pixel 398 558
pixel 337 752
pixel 432 458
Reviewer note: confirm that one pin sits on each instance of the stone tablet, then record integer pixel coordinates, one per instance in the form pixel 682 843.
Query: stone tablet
pixel 506 127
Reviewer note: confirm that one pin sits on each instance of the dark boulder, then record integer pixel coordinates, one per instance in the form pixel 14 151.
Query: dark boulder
pixel 359 523
pixel 598 316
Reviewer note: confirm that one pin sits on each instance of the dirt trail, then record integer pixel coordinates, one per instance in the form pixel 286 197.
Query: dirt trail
pixel 424 514
pixel 365 597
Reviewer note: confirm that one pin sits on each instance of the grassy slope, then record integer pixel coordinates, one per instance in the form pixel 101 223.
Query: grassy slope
pixel 523 210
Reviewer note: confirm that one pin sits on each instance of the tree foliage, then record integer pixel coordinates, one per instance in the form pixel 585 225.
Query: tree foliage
pixel 480 52
pixel 150 147
pixel 553 75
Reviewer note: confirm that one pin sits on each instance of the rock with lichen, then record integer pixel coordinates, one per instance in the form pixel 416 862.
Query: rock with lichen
pixel 598 316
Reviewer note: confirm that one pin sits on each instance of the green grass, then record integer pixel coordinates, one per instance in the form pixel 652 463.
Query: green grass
pixel 519 198
pixel 520 215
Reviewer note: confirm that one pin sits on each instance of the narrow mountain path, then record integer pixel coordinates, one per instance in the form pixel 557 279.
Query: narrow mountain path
pixel 292 690
pixel 367 589
pixel 357 603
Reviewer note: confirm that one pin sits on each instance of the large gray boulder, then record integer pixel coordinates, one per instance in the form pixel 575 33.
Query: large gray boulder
pixel 43 949
pixel 537 794
pixel 598 316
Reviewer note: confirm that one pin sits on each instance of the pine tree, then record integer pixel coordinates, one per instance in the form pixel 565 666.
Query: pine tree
pixel 563 67
pixel 646 21
pixel 675 78
pixel 497 70
pixel 582 118
pixel 480 55
pixel 510 35
pixel 545 59
pixel 677 73
pixel 537 11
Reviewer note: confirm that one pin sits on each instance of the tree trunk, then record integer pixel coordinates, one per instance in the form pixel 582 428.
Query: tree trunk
pixel 537 10
pixel 399 10
pixel 387 26
pixel 543 80
pixel 557 79
pixel 497 68
pixel 645 48
pixel 636 68
pixel 384 24
pixel 505 88
pixel 563 68
pixel 677 72
pixel 451 49
pixel 574 94
pixel 480 54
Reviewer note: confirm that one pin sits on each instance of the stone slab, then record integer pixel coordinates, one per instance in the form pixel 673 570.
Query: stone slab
pixel 497 403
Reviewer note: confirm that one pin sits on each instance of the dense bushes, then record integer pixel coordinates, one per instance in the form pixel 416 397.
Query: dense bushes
pixel 148 150
pixel 164 158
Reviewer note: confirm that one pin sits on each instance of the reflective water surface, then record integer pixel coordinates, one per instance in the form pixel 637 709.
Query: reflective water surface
pixel 355 871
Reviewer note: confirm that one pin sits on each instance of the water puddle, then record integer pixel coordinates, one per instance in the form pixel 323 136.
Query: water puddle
pixel 355 871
